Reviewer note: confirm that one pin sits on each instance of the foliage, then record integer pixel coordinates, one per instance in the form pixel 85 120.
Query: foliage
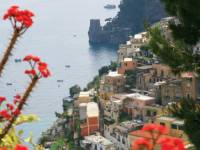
pixel 123 116
pixel 58 144
pixel 74 90
pixel 95 83
pixel 105 69
pixel 179 57
pixel 188 110
pixel 130 78
pixel 189 16
pixel 177 52
pixel 96 99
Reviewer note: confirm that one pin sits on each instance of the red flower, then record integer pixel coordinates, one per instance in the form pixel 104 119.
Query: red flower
pixel 142 143
pixel 17 99
pixel 154 127
pixel 4 113
pixel 17 96
pixel 30 72
pixel 42 67
pixel 28 58
pixel 3 148
pixel 171 144
pixel 24 17
pixel 17 112
pixel 36 59
pixel 10 106
pixel 45 73
pixel 2 99
pixel 20 147
pixel 149 127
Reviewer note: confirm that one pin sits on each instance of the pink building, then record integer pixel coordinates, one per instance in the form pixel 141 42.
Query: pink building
pixel 134 104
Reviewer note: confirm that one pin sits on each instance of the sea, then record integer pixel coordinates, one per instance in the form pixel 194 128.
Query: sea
pixel 59 36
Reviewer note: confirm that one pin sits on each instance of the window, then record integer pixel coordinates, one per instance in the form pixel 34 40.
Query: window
pixel 148 113
pixel 188 96
pixel 162 73
pixel 180 127
pixel 123 141
pixel 154 113
pixel 174 126
pixel 162 123
pixel 118 138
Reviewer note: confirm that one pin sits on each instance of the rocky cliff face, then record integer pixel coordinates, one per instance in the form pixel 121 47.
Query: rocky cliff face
pixel 129 20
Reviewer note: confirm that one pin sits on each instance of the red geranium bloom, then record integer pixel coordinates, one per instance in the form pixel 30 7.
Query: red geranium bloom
pixel 3 148
pixel 10 106
pixel 4 113
pixel 21 147
pixel 171 144
pixel 30 72
pixel 24 17
pixel 154 127
pixel 36 59
pixel 149 127
pixel 42 67
pixel 18 96
pixel 28 58
pixel 142 143
pixel 2 99
pixel 17 112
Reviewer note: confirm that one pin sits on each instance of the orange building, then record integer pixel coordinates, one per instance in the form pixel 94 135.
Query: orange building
pixel 89 118
pixel 127 64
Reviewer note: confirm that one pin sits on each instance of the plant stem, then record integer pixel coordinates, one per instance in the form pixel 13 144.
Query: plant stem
pixel 19 107
pixel 8 50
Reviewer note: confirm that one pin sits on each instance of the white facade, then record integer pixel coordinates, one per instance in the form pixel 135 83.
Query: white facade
pixel 118 134
pixel 97 142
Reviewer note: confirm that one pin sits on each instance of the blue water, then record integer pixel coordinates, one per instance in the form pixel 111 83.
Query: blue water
pixel 51 37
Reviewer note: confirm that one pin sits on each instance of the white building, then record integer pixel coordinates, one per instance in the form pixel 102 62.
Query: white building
pixel 97 142
pixel 118 134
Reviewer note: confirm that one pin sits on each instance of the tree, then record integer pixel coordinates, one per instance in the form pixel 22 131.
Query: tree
pixel 74 90
pixel 105 69
pixel 130 78
pixel 177 52
pixel 188 110
pixel 189 16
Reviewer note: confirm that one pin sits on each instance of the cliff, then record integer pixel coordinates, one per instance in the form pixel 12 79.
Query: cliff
pixel 129 20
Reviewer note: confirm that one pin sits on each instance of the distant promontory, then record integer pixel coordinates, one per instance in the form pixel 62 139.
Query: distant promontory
pixel 129 20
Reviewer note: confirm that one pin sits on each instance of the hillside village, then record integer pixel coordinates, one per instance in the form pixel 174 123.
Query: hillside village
pixel 140 91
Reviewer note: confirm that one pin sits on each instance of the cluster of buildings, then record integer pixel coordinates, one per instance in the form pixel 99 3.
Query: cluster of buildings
pixel 115 120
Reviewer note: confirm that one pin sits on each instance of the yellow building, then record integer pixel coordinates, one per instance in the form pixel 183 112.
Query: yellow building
pixel 111 83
